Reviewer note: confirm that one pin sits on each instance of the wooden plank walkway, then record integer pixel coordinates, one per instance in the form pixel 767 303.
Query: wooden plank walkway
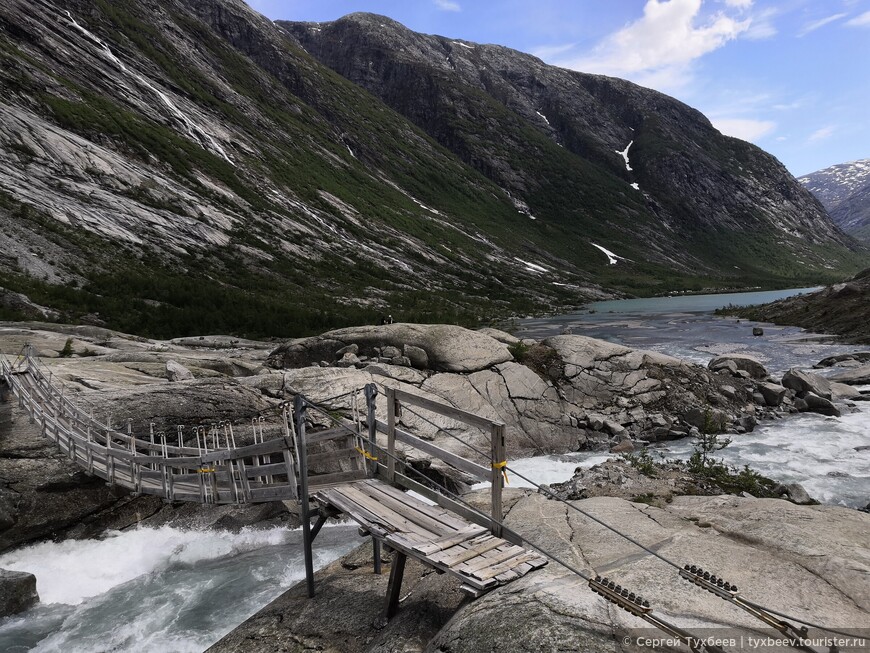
pixel 430 534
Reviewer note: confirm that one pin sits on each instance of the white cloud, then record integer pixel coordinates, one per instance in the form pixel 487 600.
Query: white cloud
pixel 739 4
pixel 448 5
pixel 550 51
pixel 659 48
pixel 821 134
pixel 860 21
pixel 812 27
pixel 744 128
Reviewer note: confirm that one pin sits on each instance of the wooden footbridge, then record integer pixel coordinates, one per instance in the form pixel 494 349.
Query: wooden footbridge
pixel 350 468
pixel 340 470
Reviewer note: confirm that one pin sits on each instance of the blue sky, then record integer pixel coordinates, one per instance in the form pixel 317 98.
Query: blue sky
pixel 788 75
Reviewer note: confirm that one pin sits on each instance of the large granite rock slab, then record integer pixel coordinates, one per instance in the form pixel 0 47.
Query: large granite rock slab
pixel 809 561
pixel 448 348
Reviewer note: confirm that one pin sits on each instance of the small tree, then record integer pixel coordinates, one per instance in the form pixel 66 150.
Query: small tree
pixel 67 350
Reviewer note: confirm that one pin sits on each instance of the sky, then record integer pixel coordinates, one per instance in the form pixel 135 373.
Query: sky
pixel 790 76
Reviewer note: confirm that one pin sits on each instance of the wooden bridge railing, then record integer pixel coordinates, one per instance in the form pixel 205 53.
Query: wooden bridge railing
pixel 492 473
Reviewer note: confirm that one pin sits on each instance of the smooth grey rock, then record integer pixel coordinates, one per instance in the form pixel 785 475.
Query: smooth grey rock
pixel 707 420
pixel 772 393
pixel 743 362
pixel 857 376
pixel 402 361
pixel 851 358
pixel 797 494
pixel 757 331
pixel 801 381
pixel 748 423
pixel 816 404
pixel 449 348
pixel 800 405
pixel 390 352
pixel 417 356
pixel 348 360
pixel 501 336
pixel 350 349
pixel 844 391
pixel 175 371
pixel 727 365
pixel 624 446
pixel 17 592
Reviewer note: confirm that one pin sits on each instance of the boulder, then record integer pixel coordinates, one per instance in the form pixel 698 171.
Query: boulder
pixel 852 359
pixel 856 376
pixel 175 371
pixel 772 393
pixel 624 446
pixel 350 349
pixel 801 382
pixel 417 356
pixel 816 404
pixel 757 331
pixel 501 336
pixel 743 362
pixel 448 348
pixel 349 359
pixel 843 391
pixel 17 592
pixel 707 420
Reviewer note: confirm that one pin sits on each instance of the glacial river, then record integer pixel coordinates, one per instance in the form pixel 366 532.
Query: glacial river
pixel 172 590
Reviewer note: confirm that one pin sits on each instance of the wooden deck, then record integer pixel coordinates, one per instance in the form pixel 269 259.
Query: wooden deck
pixel 430 534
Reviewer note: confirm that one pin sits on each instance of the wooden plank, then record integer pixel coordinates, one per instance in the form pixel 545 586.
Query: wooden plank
pixel 322 436
pixel 338 477
pixel 272 493
pixel 398 522
pixel 445 502
pixel 482 562
pixel 445 410
pixel 370 521
pixel 436 512
pixel 498 457
pixel 469 467
pixel 338 454
pixel 450 540
pixel 510 564
pixel 266 470
pixel 459 555
pixel 408 511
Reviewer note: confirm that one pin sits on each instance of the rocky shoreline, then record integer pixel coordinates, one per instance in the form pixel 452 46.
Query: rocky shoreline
pixel 562 394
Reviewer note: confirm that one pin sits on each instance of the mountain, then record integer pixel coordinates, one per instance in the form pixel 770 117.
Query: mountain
pixel 844 189
pixel 169 168
pixel 631 169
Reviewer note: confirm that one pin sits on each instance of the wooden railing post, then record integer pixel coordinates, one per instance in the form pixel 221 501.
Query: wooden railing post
pixel 393 409
pixel 371 392
pixel 498 460
pixel 299 408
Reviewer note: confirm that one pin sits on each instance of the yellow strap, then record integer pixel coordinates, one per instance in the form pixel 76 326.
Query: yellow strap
pixel 502 466
pixel 366 454
pixel 206 470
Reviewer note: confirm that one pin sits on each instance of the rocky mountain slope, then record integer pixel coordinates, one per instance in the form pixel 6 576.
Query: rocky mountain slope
pixel 842 309
pixel 169 168
pixel 633 170
pixel 844 189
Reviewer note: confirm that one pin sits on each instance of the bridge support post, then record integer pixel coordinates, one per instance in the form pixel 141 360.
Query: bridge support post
pixel 299 408
pixel 394 586
pixel 5 407
pixel 371 392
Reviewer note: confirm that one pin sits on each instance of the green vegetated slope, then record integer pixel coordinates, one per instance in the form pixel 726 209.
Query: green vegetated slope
pixel 842 309
pixel 187 167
